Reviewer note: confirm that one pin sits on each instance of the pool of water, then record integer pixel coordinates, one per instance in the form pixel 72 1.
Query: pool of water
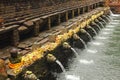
pixel 100 60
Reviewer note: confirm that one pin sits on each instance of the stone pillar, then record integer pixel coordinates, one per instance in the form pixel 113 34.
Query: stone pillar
pixel 36 26
pixel 49 23
pixel 73 14
pixel 15 38
pixel 59 20
pixel 66 16
pixel 78 11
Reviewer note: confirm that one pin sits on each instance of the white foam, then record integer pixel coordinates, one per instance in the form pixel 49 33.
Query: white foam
pixel 102 37
pixel 84 61
pixel 72 77
pixel 106 29
pixel 105 33
pixel 97 43
pixel 110 26
pixel 92 51
pixel 115 15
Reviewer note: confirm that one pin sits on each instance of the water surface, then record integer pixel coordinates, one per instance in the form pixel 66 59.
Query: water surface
pixel 101 59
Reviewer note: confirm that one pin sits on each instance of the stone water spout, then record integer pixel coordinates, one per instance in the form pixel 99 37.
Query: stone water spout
pixel 106 17
pixel 96 25
pixel 103 20
pixel 75 36
pixel 52 58
pixel 84 31
pixel 100 23
pixel 66 45
pixel 92 29
pixel 109 17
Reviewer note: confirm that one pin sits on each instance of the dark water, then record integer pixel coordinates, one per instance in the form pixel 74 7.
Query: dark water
pixel 101 59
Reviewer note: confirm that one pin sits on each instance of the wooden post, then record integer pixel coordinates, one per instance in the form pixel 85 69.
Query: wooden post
pixel 66 16
pixel 49 23
pixel 59 20
pixel 73 14
pixel 78 11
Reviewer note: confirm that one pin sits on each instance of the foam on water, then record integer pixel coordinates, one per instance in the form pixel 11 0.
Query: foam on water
pixel 97 43
pixel 92 51
pixel 84 61
pixel 99 37
pixel 110 26
pixel 107 29
pixel 72 77
pixel 105 33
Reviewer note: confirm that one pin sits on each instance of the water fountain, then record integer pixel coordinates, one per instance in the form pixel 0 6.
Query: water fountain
pixel 75 36
pixel 103 20
pixel 92 29
pixel 66 45
pixel 74 51
pixel 52 58
pixel 101 24
pixel 115 15
pixel 61 66
pixel 106 18
pixel 94 57
pixel 109 17
pixel 98 26
pixel 83 42
pixel 84 31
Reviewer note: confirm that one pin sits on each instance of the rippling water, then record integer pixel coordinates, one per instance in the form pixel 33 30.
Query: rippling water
pixel 101 59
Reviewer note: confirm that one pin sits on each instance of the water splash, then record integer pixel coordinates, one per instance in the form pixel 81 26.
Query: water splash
pixel 114 23
pixel 72 77
pixel 61 66
pixel 92 51
pixel 107 29
pixel 97 43
pixel 76 54
pixel 84 61
pixel 110 26
pixel 83 42
pixel 102 38
pixel 115 15
pixel 105 33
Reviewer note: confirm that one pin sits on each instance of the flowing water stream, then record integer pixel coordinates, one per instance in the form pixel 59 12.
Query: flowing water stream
pixel 76 54
pixel 101 24
pixel 93 30
pixel 90 37
pixel 61 66
pixel 101 59
pixel 83 42
pixel 103 20
pixel 107 18
pixel 98 26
